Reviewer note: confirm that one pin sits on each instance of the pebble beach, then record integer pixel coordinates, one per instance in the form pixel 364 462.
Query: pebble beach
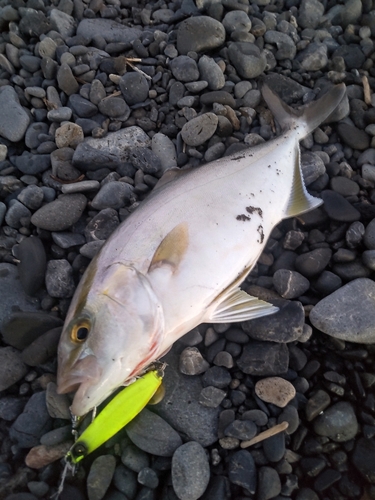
pixel 98 100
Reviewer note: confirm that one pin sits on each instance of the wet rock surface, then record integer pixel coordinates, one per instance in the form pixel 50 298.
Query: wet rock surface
pixel 97 101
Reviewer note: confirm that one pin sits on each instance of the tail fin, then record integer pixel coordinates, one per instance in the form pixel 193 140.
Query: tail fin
pixel 305 119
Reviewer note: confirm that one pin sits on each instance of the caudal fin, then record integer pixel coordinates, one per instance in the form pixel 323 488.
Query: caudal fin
pixel 305 119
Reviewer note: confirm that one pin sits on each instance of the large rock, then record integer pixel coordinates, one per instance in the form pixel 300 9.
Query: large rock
pixel 348 313
pixel 14 120
pixel 110 30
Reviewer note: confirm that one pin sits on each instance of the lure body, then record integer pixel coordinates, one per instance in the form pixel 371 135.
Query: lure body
pixel 119 412
pixel 178 260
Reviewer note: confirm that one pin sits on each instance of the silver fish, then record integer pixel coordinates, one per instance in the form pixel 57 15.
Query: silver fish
pixel 180 258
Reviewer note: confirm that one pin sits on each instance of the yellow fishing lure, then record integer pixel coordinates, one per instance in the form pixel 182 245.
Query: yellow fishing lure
pixel 119 412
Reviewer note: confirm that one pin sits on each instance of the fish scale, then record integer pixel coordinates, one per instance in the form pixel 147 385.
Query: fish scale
pixel 178 260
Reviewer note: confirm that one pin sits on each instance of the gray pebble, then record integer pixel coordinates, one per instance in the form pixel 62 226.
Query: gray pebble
pixel 66 81
pixel 285 45
pixel 310 13
pixel 125 481
pixel 236 20
pixel 60 114
pixel 62 22
pixel 61 213
pixel 12 294
pixel 241 429
pixel 192 362
pixel 31 137
pixel 317 403
pixel 32 265
pixel 134 88
pixel 242 470
pixel 111 31
pixel 369 237
pixel 80 187
pixel 363 458
pixel 247 59
pixel 134 458
pixel 12 368
pixel 17 215
pixel 344 186
pixel 199 34
pixel 314 57
pixel 217 376
pixel 211 73
pixel 32 164
pixel 114 107
pixel 13 118
pixel 59 279
pixel 57 404
pixel 264 358
pixel 338 422
pixel 290 284
pixel 42 348
pixel 165 150
pixel 32 197
pixel 353 136
pixel 91 249
pixel 348 313
pixel 312 263
pixel 198 130
pixel 190 471
pixel 145 159
pixel 112 195
pixel 211 397
pixel 286 325
pixel 153 434
pixel 83 107
pixel 269 484
pixel 68 240
pixel 100 476
pixel 274 447
pixel 184 69
pixel 11 407
pixel 368 258
pixel 33 422
pixel 148 477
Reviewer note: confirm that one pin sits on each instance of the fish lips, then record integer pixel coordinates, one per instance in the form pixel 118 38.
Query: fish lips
pixel 85 373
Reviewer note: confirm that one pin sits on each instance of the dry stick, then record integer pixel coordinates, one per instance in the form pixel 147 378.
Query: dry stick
pixel 366 89
pixel 265 434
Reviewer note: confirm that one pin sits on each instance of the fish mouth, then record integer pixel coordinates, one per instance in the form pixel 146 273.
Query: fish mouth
pixel 84 373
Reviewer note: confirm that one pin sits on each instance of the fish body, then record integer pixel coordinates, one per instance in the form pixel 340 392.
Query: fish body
pixel 179 259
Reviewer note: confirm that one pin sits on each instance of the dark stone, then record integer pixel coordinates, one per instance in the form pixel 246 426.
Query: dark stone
pixel 242 470
pixel 264 359
pixel 32 265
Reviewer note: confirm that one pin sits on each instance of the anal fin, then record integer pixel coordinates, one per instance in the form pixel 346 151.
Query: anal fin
pixel 239 306
pixel 300 200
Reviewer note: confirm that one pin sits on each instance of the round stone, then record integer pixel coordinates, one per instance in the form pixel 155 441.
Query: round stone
pixel 134 88
pixel 198 130
pixel 338 422
pixel 199 34
pixel 61 213
pixel 275 390
pixel 190 471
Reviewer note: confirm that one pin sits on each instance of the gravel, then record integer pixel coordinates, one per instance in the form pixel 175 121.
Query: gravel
pixel 98 101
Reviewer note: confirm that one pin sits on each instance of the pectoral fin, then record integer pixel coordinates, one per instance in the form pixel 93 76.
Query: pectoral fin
pixel 172 248
pixel 239 306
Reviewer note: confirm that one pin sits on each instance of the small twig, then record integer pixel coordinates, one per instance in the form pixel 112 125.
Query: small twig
pixel 366 89
pixel 266 434
pixel 80 178
pixel 137 69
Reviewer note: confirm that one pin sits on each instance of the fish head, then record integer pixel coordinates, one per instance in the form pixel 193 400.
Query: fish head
pixel 113 329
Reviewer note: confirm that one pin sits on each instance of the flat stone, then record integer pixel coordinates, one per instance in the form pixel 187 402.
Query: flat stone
pixel 247 59
pixel 353 136
pixel 311 263
pixel 23 327
pixel 180 406
pixel 264 358
pixel 338 422
pixel 199 34
pixel 33 422
pixel 190 471
pixel 13 118
pixel 198 130
pixel 317 403
pixel 363 458
pixel 111 31
pixel 153 434
pixel 61 213
pixel 192 362
pixel 290 284
pixel 269 485
pixel 348 313
pixel 110 151
pixel 242 470
pixel 12 294
pixel 41 455
pixel 100 476
pixel 286 325
pixel 42 348
pixel 12 368
pixel 275 390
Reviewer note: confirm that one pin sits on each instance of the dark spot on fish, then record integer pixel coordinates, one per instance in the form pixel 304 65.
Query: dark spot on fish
pixel 243 217
pixel 241 157
pixel 261 233
pixel 252 210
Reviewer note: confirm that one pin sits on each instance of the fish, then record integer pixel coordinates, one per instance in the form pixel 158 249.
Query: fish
pixel 179 259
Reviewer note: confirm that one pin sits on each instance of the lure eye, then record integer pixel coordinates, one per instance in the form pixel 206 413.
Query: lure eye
pixel 80 332
pixel 78 450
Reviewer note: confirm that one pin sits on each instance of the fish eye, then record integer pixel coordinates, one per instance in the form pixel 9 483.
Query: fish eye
pixel 80 331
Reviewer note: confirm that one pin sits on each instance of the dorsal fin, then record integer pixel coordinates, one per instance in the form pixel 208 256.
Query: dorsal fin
pixel 300 200
pixel 172 248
